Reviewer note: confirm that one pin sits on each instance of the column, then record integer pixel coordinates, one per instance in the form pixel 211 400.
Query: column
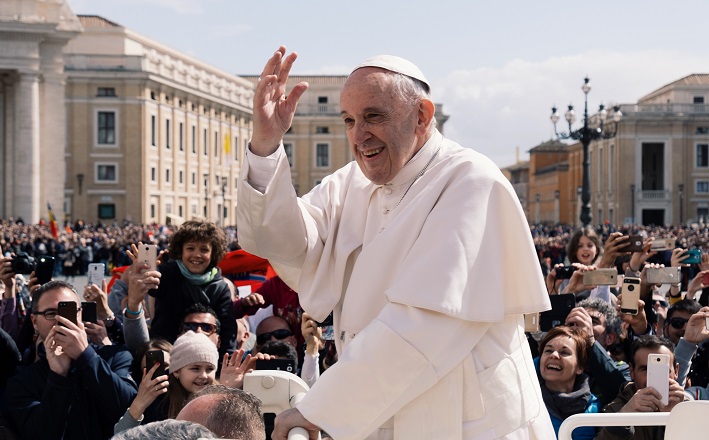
pixel 26 152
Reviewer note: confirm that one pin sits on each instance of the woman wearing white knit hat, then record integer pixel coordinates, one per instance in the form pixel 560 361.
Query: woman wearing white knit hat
pixel 193 366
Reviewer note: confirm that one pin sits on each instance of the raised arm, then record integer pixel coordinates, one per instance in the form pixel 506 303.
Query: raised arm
pixel 273 108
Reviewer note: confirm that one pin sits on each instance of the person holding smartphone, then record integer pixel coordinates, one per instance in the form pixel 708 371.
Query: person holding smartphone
pixel 73 391
pixel 637 396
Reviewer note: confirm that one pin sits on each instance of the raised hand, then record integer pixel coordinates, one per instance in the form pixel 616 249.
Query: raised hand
pixel 148 390
pixel 70 337
pixel 273 109
pixel 58 360
pixel 234 369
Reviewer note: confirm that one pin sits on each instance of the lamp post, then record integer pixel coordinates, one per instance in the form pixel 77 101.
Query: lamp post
pixel 585 135
pixel 681 196
pixel 223 202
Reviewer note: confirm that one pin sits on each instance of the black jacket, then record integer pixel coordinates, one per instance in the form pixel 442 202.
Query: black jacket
pixel 175 295
pixel 84 405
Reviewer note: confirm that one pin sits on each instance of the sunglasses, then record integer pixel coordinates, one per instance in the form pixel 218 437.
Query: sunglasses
pixel 662 303
pixel 206 328
pixel 678 323
pixel 278 334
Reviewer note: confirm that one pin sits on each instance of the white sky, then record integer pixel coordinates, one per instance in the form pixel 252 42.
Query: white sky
pixel 497 66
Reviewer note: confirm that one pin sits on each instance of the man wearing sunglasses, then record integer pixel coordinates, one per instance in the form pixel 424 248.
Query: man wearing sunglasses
pixel 273 328
pixel 73 390
pixel 677 317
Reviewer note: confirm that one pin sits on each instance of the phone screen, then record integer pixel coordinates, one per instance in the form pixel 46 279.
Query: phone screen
pixel 68 310
pixel 153 357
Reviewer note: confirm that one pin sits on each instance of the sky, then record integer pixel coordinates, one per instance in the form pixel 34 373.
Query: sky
pixel 496 66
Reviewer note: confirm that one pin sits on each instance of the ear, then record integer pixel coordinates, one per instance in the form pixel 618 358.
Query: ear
pixel 176 374
pixel 426 111
pixel 611 338
pixel 33 317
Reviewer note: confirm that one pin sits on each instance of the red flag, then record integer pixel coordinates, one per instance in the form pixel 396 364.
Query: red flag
pixel 52 222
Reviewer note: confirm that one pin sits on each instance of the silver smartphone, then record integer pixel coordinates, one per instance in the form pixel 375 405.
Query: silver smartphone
pixel 95 274
pixel 663 275
pixel 662 244
pixel 631 294
pixel 658 375
pixel 531 322
pixel 148 253
pixel 601 277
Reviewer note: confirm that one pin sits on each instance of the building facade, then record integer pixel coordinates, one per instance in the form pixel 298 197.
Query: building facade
pixel 153 134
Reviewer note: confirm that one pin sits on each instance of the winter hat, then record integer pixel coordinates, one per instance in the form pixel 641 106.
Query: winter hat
pixel 191 348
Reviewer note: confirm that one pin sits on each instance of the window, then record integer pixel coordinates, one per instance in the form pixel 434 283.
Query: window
pixel 180 178
pixel 216 144
pixel 702 214
pixel 152 130
pixel 179 210
pixel 702 130
pixel 322 130
pixel 168 208
pixel 152 96
pixel 611 169
pixel 153 174
pixel 182 147
pixel 106 210
pixel 167 134
pixel 698 100
pixel 194 178
pixel 322 99
pixel 599 186
pixel 106 91
pixel 152 211
pixel 702 186
pixel 106 173
pixel 106 128
pixel 167 175
pixel 194 139
pixel 322 104
pixel 322 155
pixel 205 142
pixel 289 153
pixel 702 155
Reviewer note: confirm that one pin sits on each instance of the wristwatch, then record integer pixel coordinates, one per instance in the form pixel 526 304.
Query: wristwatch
pixel 109 320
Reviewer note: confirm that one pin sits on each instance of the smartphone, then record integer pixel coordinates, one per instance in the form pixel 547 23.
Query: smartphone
pixel 148 253
pixel 663 275
pixel 635 243
pixel 705 279
pixel 631 294
pixel 662 244
pixel 68 310
pixel 88 312
pixel 44 269
pixel 707 322
pixel 95 274
pixel 601 277
pixel 276 364
pixel 658 374
pixel 564 273
pixel 561 306
pixel 153 357
pixel 326 322
pixel 531 322
pixel 695 257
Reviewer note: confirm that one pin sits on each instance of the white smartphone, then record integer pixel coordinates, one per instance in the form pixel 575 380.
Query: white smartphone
pixel 95 274
pixel 658 375
pixel 631 295
pixel 601 277
pixel 148 253
pixel 531 322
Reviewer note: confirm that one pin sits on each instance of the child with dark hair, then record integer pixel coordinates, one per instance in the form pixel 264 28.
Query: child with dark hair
pixel 192 277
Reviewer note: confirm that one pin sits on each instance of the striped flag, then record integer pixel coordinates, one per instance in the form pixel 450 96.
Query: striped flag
pixel 52 222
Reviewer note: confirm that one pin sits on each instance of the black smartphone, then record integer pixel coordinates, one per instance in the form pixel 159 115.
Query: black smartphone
pixel 564 273
pixel 44 269
pixel 68 310
pixel 561 306
pixel 153 357
pixel 635 243
pixel 326 322
pixel 88 312
pixel 276 364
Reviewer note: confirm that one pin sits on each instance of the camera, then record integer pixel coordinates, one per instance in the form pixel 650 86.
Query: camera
pixel 22 263
pixel 630 287
pixel 565 273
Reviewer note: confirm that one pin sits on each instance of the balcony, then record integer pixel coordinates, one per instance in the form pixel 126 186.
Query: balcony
pixel 318 109
pixel 665 109
pixel 655 196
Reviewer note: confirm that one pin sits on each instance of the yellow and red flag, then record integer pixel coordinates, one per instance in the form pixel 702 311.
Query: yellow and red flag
pixel 52 222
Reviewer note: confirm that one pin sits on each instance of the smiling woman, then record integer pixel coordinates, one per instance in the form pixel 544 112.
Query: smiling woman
pixel 565 386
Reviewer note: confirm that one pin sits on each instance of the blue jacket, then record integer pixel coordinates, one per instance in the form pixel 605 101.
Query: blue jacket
pixel 83 405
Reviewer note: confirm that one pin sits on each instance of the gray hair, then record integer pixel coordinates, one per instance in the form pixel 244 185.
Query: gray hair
pixel 169 429
pixel 233 413
pixel 613 322
pixel 411 91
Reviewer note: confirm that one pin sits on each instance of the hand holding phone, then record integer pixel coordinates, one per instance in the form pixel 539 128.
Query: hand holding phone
pixel 635 243
pixel 68 310
pixel 148 254
pixel 153 357
pixel 565 273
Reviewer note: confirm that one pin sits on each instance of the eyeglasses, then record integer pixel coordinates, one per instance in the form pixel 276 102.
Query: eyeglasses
pixel 51 314
pixel 206 327
pixel 678 323
pixel 661 302
pixel 278 334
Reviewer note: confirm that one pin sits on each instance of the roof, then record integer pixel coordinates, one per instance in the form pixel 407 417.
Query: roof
pixel 695 79
pixel 549 146
pixel 96 21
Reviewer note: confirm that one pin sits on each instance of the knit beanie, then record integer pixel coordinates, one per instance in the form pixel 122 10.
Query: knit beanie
pixel 191 348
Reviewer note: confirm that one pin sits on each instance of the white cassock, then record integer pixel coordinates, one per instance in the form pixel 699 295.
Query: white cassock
pixel 428 283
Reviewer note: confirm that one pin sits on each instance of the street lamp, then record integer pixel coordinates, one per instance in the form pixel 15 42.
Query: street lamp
pixel 585 135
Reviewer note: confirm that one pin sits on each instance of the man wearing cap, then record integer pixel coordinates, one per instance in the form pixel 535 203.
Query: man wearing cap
pixel 410 246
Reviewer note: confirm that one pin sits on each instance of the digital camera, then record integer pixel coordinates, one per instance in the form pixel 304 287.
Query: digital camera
pixel 22 263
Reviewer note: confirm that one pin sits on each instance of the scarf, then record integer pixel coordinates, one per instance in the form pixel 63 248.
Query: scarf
pixel 197 280
pixel 563 405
